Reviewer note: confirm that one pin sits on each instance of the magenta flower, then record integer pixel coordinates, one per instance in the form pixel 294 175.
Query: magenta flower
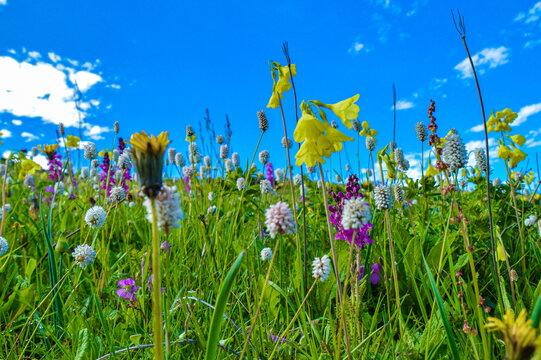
pixel 165 246
pixel 127 289
pixel 270 173
pixel 375 276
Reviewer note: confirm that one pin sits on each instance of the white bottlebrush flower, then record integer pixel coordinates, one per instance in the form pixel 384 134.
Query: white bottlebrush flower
pixel 404 165
pixel 84 172
pixel 179 160
pixel 94 163
pixel 382 196
pixel 266 254
pixel 266 186
pixel 90 151
pixel 171 153
pixel 279 219
pixel 29 180
pixel 321 268
pixel 116 155
pixel 96 187
pixel 117 194
pixel 264 157
pixel 421 132
pixel 454 152
pixel 95 217
pixel 192 148
pixel 240 183
pixel 519 176
pixel 319 184
pixel 4 246
pixel 202 171
pixel 207 162
pixel 356 213
pixel 59 187
pixel 287 143
pixel 370 143
pixel 337 178
pixel 93 172
pixel 84 255
pixel 211 196
pixel 297 179
pixel 496 182
pixel 187 171
pixel 530 220
pixel 224 151
pixel 398 155
pixel 235 159
pixel 195 158
pixel 398 193
pixel 229 166
pixel 263 123
pixel 220 139
pixel 168 209
pixel 356 125
pixel 279 174
pixel 480 159
pixel 347 167
pixel 211 210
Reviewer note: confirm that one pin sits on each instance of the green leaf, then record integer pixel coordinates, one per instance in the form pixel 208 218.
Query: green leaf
pixel 217 318
pixel 83 344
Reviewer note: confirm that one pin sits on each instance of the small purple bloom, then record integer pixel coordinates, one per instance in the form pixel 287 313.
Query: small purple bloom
pixel 165 246
pixel 276 338
pixel 374 278
pixel 150 281
pixel 187 184
pixel 127 289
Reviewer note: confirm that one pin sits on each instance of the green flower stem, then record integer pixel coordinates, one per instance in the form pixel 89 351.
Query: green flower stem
pixel 156 286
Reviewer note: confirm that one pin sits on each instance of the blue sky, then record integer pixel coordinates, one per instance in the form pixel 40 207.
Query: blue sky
pixel 158 65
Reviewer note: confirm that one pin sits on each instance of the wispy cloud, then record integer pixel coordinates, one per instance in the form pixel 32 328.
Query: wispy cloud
pixel 404 105
pixel 525 112
pixel 356 48
pixel 28 136
pixel 5 133
pixel 532 15
pixel 488 58
pixel 16 122
pixel 3 2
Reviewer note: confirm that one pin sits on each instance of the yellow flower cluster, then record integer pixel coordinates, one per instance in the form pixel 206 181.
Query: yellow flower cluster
pixel 366 131
pixel 501 121
pixel 515 155
pixel 319 138
pixel 27 167
pixel 73 141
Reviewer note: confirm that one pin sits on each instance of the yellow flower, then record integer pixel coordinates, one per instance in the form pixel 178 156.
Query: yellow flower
pixel 529 177
pixel 501 121
pixel 519 335
pixel 346 110
pixel 309 154
pixel 504 152
pixel 309 127
pixel 516 156
pixel 517 139
pixel 48 150
pixel 73 141
pixel 366 131
pixel 147 153
pixel 27 167
pixel 283 84
pixel 431 170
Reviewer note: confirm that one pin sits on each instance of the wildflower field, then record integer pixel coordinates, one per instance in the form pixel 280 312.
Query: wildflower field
pixel 184 250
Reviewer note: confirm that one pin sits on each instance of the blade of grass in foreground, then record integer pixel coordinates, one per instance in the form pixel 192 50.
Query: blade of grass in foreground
pixel 448 330
pixel 216 324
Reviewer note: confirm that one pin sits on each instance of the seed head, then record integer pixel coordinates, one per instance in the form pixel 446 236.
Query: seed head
pixel 370 143
pixel 171 152
pixel 382 196
pixel 179 160
pixel 95 217
pixel 235 159
pixel 224 151
pixel 321 268
pixel 454 152
pixel 263 123
pixel 266 254
pixel 398 193
pixel 240 183
pixel 84 255
pixel 356 125
pixel 279 219
pixel 421 132
pixel 264 157
pixel 220 139
pixel 480 159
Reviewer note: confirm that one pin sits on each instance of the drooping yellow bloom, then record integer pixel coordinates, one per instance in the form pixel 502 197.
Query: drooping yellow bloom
pixel 517 139
pixel 147 153
pixel 520 337
pixel 529 177
pixel 366 131
pixel 27 167
pixel 73 141
pixel 346 109
pixel 48 150
pixel 501 121
pixel 431 170
pixel 282 85
pixel 516 156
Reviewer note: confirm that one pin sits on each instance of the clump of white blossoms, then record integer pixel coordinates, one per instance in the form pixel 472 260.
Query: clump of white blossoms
pixel 420 129
pixel 84 255
pixel 356 125
pixel 370 143
pixel 207 161
pixel 224 151
pixel 287 143
pixel 266 186
pixel 179 160
pixel 321 268
pixel 240 183
pixel 4 246
pixel 496 182
pixel 187 171
pixel 398 193
pixel 454 152
pixel 117 194
pixel 168 209
pixel 29 180
pixel 202 171
pixel 519 176
pixel 480 159
pixel 382 196
pixel 398 155
pixel 266 254
pixel 264 157
pixel 530 220
pixel 229 166
pixel 116 155
pixel 95 217
pixel 94 163
pixel 279 174
pixel 279 219
pixel 211 196
pixel 90 151
pixel 220 139
pixel 124 161
pixel 171 153
pixel 235 159
pixel 211 210
pixel 84 172
pixel 356 213
pixel 297 180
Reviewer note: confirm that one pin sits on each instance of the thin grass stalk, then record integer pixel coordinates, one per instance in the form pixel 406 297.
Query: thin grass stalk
pixel 4 181
pixel 461 29
pixel 393 263
pixel 334 260
pixel 156 284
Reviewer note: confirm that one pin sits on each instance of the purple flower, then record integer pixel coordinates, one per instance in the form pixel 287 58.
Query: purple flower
pixel 270 173
pixel 107 169
pixel 150 281
pixel 127 289
pixel 276 338
pixel 165 246
pixel 55 166
pixel 374 278
pixel 187 184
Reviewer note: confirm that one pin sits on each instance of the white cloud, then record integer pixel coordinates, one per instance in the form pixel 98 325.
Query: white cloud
pixel 404 105
pixel 486 58
pixel 477 128
pixel 356 48
pixel 54 58
pixel 5 133
pixel 114 86
pixel 534 144
pixel 95 131
pixel 532 15
pixel 436 83
pixel 34 55
pixel 3 2
pixel 41 160
pixel 16 122
pixel 40 89
pixel 526 112
pixel 28 136
pixel 475 144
